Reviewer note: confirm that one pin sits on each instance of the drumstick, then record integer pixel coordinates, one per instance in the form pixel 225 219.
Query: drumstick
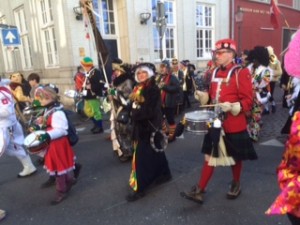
pixel 36 138
pixel 211 105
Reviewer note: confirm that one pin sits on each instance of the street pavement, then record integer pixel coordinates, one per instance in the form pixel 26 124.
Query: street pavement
pixel 99 195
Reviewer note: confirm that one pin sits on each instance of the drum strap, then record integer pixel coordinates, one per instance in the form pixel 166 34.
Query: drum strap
pixel 234 70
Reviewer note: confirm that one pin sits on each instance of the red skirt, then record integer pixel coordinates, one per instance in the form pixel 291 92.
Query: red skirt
pixel 60 157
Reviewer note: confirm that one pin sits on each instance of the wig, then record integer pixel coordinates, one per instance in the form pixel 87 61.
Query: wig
pixel 259 54
pixel 292 57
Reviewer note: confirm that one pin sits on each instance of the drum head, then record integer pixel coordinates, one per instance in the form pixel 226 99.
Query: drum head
pixel 200 115
pixel 31 140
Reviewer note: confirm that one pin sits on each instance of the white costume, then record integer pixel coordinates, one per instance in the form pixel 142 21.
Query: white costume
pixel 11 133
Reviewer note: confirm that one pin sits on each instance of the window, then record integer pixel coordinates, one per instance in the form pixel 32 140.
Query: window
pixel 108 17
pixel 296 4
pixel 25 48
pixel 8 53
pixel 168 40
pixel 204 30
pixel 48 34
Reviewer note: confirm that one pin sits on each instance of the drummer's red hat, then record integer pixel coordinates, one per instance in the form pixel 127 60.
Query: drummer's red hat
pixel 226 44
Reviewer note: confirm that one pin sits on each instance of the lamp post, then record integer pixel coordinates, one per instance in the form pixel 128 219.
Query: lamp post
pixel 161 25
pixel 239 21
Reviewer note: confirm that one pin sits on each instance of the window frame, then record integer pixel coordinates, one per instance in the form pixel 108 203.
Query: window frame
pixel 25 47
pixel 49 42
pixel 206 44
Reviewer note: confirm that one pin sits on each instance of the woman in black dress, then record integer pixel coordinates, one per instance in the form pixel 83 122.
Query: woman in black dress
pixel 149 166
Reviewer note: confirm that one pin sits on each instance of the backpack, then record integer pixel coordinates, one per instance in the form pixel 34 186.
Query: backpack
pixel 72 133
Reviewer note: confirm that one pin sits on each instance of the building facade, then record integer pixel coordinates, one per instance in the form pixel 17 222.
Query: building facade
pixel 54 36
pixel 251 25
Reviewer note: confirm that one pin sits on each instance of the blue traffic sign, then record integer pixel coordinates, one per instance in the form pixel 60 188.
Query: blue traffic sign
pixel 10 37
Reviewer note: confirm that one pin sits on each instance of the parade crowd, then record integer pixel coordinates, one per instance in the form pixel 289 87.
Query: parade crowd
pixel 145 101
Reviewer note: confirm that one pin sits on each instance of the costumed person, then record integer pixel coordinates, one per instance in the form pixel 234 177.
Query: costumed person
pixel 34 82
pixel 92 89
pixel 79 78
pixel 288 171
pixel 17 90
pixel 120 124
pixel 21 100
pixel 169 86
pixel 11 133
pixel 291 95
pixel 288 201
pixel 59 158
pixel 115 61
pixel 259 61
pixel 202 82
pixel 187 83
pixel 276 72
pixel 40 110
pixel 285 85
pixel 149 162
pixel 179 75
pixel 244 56
pixel 227 142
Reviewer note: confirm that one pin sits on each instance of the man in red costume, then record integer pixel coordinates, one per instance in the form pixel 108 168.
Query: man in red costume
pixel 231 94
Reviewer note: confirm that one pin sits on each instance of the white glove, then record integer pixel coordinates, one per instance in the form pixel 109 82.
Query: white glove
pixel 201 96
pixel 225 106
pixel 235 108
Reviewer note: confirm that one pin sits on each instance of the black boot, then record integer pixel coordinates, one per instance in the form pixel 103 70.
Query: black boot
pixel 50 182
pixel 77 170
pixel 98 129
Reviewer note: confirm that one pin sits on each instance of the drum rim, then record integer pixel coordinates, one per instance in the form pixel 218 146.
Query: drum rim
pixel 37 132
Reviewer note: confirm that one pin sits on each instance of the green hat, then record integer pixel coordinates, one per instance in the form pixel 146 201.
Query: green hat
pixel 86 61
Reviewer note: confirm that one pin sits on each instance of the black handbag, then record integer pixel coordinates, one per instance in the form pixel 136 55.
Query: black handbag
pixel 123 117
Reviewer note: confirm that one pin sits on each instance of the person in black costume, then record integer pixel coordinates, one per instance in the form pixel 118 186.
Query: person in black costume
pixel 148 165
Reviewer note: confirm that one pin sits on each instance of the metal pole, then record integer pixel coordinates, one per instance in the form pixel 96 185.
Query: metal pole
pixel 160 49
pixel 15 59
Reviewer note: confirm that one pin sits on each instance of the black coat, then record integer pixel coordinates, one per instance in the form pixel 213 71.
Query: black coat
pixel 148 116
pixel 172 89
pixel 96 80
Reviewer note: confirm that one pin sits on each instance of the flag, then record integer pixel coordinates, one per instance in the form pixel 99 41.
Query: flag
pixel 100 45
pixel 274 11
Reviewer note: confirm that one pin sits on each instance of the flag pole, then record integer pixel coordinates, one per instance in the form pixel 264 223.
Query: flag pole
pixel 97 36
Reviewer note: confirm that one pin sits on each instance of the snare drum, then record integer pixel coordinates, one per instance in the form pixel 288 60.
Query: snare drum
pixel 196 121
pixel 33 145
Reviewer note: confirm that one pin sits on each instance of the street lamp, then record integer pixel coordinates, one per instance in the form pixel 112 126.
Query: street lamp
pixel 239 15
pixel 144 17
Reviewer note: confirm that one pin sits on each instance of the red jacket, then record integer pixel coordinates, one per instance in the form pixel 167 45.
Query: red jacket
pixel 237 89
